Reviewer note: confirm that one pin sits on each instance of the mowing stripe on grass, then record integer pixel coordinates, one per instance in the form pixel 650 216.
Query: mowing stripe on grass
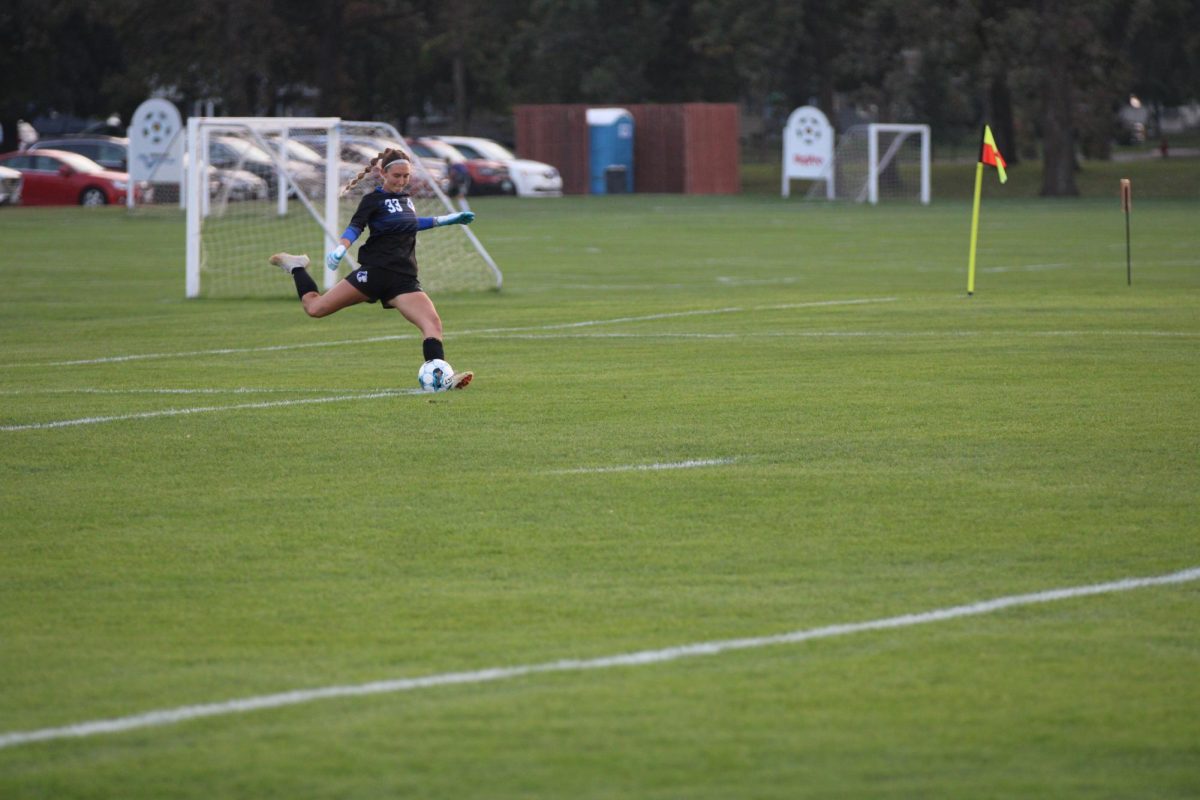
pixel 172 716
pixel 560 326
pixel 703 462
pixel 175 412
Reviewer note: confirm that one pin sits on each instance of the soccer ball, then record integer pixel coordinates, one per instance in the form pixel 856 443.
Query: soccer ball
pixel 434 376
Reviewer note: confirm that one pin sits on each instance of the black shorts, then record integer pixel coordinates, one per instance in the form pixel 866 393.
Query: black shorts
pixel 381 285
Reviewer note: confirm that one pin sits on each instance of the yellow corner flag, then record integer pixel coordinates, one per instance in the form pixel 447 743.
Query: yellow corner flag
pixel 990 154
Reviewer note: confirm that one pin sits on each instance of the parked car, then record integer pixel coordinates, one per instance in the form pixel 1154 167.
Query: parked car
pixel 233 152
pixel 110 152
pixel 236 184
pixel 532 178
pixel 434 164
pixel 312 152
pixel 468 174
pixel 10 186
pixel 357 152
pixel 57 177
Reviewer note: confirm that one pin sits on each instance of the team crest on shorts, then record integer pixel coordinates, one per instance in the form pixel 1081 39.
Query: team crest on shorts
pixel 361 276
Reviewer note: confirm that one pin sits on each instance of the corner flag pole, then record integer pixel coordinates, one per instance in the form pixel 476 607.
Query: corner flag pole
pixel 988 154
pixel 974 230
pixel 1127 206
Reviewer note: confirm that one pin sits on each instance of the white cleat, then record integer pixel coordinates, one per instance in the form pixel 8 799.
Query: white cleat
pixel 288 262
pixel 459 380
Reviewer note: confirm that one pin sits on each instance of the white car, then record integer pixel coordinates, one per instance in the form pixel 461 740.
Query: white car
pixel 532 178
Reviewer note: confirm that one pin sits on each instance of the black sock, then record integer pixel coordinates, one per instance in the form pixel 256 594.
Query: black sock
pixel 304 282
pixel 433 349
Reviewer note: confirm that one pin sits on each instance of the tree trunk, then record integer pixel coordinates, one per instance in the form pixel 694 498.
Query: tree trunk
pixel 330 67
pixel 459 70
pixel 458 64
pixel 1058 133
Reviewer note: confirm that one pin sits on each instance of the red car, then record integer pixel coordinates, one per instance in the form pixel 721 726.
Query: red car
pixel 468 175
pixel 58 178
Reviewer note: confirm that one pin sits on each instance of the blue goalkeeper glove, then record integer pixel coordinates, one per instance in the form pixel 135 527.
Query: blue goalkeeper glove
pixel 333 259
pixel 457 218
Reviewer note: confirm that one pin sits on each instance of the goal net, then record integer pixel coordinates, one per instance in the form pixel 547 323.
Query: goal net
pixel 261 185
pixel 881 162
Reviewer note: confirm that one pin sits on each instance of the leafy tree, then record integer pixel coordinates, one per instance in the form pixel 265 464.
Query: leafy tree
pixel 1160 40
pixel 1037 70
pixel 592 52
pixel 222 50
pixel 467 56
pixel 54 57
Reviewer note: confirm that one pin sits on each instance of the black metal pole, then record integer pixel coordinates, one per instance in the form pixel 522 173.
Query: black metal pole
pixel 1127 205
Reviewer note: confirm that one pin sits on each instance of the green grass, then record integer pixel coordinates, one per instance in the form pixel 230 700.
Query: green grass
pixel 916 452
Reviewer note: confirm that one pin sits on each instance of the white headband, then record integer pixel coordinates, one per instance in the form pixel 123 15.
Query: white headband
pixel 394 159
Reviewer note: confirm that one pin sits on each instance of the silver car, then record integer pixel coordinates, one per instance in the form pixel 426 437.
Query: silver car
pixel 232 152
pixel 110 152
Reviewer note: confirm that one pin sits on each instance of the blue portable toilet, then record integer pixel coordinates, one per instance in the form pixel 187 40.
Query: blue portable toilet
pixel 610 132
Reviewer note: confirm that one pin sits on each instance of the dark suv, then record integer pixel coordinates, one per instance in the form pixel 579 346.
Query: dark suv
pixel 110 152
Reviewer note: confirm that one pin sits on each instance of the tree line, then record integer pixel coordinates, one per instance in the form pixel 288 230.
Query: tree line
pixel 1046 74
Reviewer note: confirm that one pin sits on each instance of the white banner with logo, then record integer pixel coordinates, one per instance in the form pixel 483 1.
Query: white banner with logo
pixel 808 148
pixel 156 143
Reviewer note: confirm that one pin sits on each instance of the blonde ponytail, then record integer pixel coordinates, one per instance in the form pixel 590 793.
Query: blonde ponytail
pixel 373 168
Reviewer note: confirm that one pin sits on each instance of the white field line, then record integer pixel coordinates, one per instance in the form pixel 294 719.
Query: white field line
pixel 175 412
pixel 703 462
pixel 1025 268
pixel 224 351
pixel 171 716
pixel 561 326
pixel 851 335
pixel 730 281
pixel 696 313
pixel 230 390
pixel 1166 334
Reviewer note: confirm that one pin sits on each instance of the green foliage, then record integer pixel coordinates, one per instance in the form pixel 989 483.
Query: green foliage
pixel 897 456
pixel 897 60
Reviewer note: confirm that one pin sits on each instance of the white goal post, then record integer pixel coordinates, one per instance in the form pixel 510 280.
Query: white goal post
pixel 259 185
pixel 883 161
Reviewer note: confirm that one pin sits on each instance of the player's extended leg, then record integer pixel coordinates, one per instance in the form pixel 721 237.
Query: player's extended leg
pixel 340 296
pixel 417 308
pixel 316 304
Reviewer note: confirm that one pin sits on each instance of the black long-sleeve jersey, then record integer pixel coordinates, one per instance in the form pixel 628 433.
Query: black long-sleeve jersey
pixel 393 223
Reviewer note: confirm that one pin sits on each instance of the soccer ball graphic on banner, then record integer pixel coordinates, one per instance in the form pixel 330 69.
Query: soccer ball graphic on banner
pixel 434 376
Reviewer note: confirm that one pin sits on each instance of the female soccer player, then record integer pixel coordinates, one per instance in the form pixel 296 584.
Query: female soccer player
pixel 387 262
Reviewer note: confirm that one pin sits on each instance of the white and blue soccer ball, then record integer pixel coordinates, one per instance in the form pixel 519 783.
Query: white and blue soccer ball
pixel 434 376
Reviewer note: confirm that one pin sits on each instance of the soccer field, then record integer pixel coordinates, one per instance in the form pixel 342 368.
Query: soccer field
pixel 720 517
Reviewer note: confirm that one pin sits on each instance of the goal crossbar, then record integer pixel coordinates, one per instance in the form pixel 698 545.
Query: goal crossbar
pixel 876 164
pixel 881 161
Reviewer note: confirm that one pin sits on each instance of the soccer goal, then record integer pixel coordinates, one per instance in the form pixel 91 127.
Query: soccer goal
pixel 259 185
pixel 882 161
